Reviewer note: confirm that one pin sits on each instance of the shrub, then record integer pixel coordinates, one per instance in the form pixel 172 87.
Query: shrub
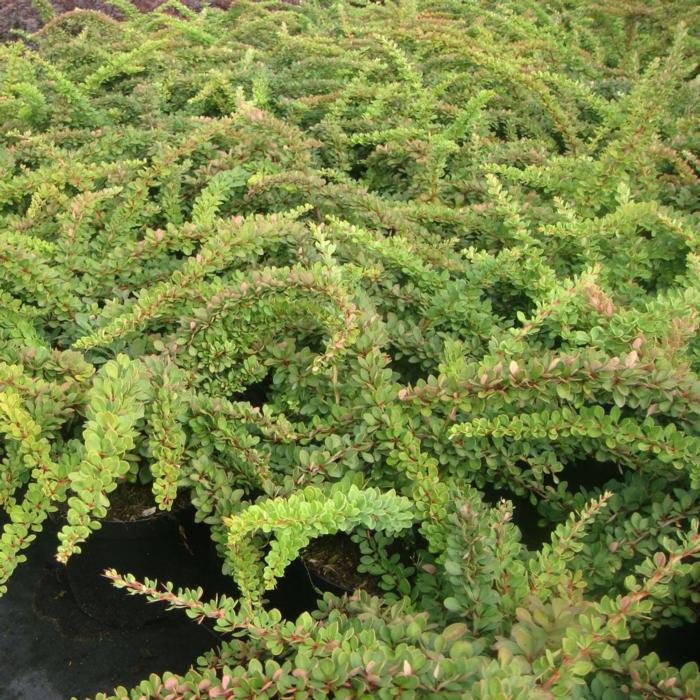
pixel 451 246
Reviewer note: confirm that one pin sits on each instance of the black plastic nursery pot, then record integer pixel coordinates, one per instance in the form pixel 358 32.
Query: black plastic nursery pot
pixel 50 649
pixel 165 546
pixel 66 631
pixel 168 547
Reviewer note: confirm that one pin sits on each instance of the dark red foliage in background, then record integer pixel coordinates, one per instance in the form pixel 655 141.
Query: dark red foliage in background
pixel 20 14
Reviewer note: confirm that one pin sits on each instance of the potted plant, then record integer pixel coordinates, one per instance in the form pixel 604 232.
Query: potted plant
pixel 468 273
pixel 114 485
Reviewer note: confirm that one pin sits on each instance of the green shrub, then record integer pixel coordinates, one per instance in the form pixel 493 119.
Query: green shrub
pixel 457 245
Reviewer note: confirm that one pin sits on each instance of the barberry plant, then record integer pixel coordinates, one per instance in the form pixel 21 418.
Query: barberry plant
pixel 393 270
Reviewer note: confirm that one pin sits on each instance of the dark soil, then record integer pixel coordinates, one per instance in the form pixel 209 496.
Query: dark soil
pixel 334 559
pixel 130 502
